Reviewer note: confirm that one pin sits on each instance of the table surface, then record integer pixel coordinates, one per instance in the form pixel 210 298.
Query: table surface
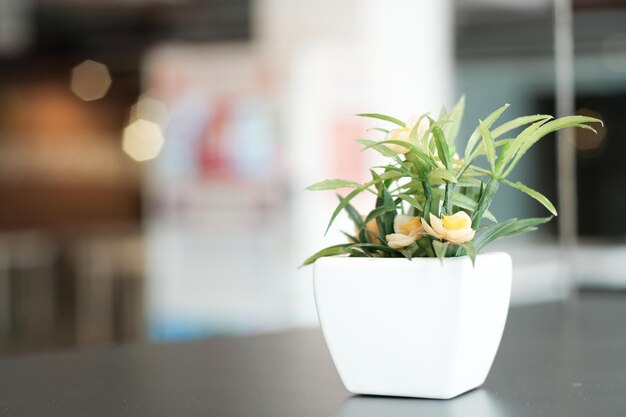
pixel 554 360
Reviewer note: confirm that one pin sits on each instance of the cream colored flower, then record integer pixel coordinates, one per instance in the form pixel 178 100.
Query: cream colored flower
pixel 456 228
pixel 407 230
pixel 405 133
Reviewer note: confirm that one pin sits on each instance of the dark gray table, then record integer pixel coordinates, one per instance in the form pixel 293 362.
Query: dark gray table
pixel 555 360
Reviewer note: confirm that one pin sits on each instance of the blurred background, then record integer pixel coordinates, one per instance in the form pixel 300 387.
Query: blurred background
pixel 154 153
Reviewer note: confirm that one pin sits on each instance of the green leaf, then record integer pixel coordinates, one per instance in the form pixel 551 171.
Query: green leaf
pixel 383 117
pixel 403 171
pixel 381 149
pixel 389 215
pixel 507 228
pixel 440 249
pixel 424 158
pixel 518 142
pixel 518 122
pixel 503 151
pixel 379 184
pixel 442 146
pixel 458 199
pixel 329 251
pixel 464 202
pixel 412 201
pixel 490 147
pixel 455 117
pixel 470 250
pixel 489 120
pixel 358 253
pixel 409 251
pixel 332 185
pixel 353 214
pixel 379 129
pixel 549 127
pixel 441 174
pixel 357 220
pixel 380 211
pixel 345 200
pixel 486 196
pixel 534 194
pixel 585 127
pixel 413 132
pixel 351 239
pixel 376 247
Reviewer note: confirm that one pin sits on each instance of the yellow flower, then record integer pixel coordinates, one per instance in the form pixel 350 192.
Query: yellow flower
pixel 407 230
pixel 405 133
pixel 456 228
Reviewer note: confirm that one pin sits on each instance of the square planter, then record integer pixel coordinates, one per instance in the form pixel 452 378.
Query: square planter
pixel 415 328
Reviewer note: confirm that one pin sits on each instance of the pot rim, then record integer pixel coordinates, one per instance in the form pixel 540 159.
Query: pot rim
pixel 414 260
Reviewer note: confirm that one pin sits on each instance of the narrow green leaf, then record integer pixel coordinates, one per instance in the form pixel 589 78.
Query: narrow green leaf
pixel 518 142
pixel 378 184
pixel 409 251
pixel 442 145
pixel 442 174
pixel 534 194
pixel 464 202
pixel 351 239
pixel 390 214
pixel 329 251
pixel 345 200
pixel 470 250
pixel 414 130
pixel 500 160
pixel 356 218
pixel 381 149
pixel 353 213
pixel 412 201
pixel 455 117
pixel 486 197
pixel 424 158
pixel 490 147
pixel 332 185
pixel 440 249
pixel 358 253
pixel 379 129
pixel 507 228
pixel 376 247
pixel 518 122
pixel 383 117
pixel 489 121
pixel 585 127
pixel 380 211
pixel 545 129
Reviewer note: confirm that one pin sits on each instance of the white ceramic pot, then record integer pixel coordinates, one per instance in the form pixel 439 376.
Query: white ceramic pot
pixel 415 328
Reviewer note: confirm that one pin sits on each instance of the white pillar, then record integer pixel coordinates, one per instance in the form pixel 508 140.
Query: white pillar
pixel 407 49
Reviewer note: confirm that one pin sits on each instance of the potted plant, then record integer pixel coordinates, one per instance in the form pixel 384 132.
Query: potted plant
pixel 409 306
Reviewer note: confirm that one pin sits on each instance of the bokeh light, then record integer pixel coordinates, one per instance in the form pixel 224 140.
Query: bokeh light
pixel 90 80
pixel 142 140
pixel 150 109
pixel 588 142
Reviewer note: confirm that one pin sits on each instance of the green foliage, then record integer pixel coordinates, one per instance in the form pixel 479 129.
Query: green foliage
pixel 430 179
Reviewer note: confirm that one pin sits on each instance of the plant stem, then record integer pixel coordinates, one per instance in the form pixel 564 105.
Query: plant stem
pixel 447 202
pixel 484 202
pixel 425 244
pixel 429 198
